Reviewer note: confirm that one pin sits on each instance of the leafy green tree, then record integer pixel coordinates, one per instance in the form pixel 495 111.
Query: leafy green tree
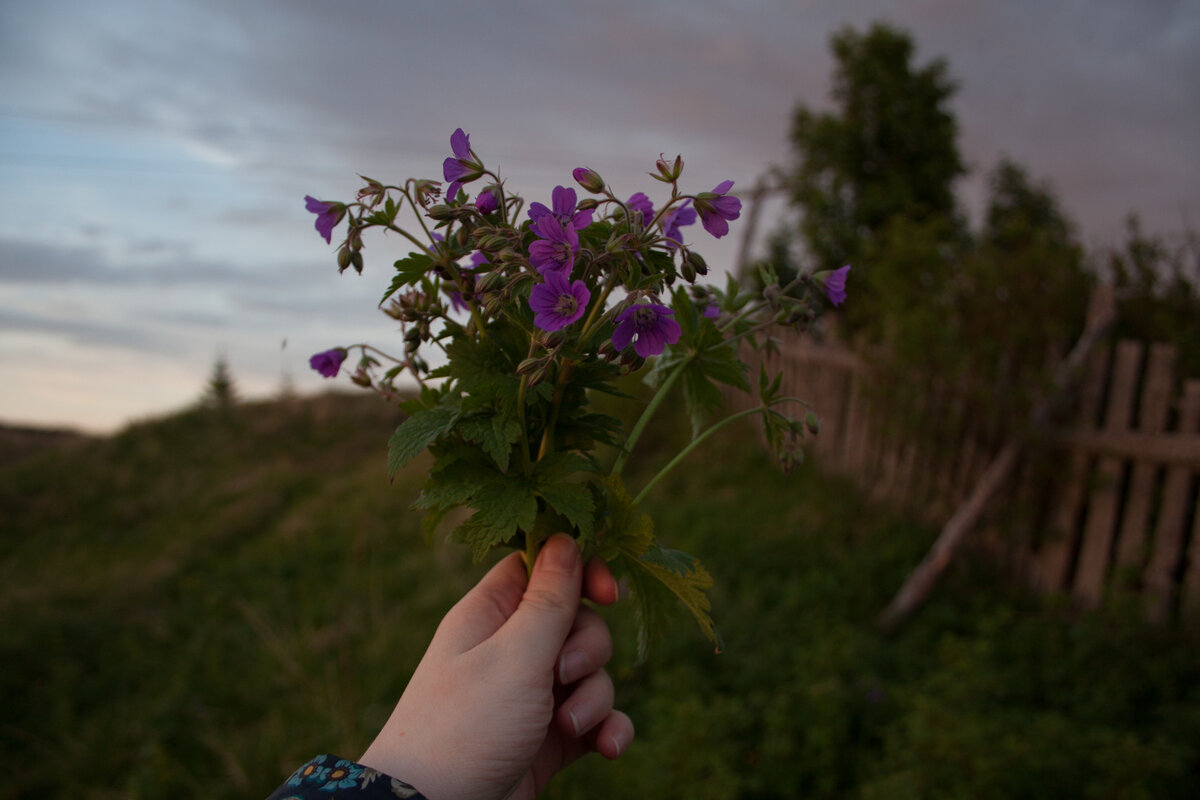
pixel 1157 291
pixel 888 149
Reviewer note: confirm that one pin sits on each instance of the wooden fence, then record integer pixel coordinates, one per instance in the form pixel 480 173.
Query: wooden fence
pixel 1106 502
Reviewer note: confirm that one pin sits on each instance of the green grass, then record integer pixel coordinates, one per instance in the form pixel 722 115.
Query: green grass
pixel 197 605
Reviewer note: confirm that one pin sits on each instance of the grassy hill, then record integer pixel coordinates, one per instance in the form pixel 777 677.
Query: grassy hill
pixel 193 607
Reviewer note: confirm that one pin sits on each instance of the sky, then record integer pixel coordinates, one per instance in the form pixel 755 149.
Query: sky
pixel 154 156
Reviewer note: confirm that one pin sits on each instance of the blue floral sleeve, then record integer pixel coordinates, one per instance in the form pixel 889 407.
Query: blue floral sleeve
pixel 329 777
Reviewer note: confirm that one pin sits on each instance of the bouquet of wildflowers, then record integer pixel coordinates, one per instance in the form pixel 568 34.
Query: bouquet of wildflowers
pixel 514 320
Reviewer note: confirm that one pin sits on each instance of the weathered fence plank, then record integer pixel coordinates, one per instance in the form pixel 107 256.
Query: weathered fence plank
pixel 1169 533
pixel 1152 419
pixel 1054 562
pixel 1103 505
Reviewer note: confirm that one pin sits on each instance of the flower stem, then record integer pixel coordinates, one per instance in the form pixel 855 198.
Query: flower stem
pixel 692 446
pixel 647 413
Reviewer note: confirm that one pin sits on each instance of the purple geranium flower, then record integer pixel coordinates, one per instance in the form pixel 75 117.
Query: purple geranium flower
pixel 675 219
pixel 328 215
pixel 329 362
pixel 716 208
pixel 563 209
pixel 487 202
pixel 556 304
pixel 462 167
pixel 835 284
pixel 711 311
pixel 648 326
pixel 640 204
pixel 555 250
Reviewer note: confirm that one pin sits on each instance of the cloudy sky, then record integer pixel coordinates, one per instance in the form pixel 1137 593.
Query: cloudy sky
pixel 154 155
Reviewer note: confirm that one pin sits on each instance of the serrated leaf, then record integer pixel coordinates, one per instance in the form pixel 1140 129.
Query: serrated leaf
pixel 492 433
pixel 408 271
pixel 502 508
pixel 573 501
pixel 655 575
pixel 418 432
pixel 556 467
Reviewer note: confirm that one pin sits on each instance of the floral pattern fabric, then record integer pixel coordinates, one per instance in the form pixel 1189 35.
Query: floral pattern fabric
pixel 328 777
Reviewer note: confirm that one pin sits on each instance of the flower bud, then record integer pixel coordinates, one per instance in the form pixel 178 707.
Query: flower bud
pixel 812 423
pixel 343 258
pixel 687 271
pixel 588 204
pixel 361 378
pixel 356 261
pixel 529 366
pixel 588 179
pixel 668 172
pixel 441 212
pixel 697 262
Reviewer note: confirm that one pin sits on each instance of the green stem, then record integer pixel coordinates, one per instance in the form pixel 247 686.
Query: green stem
pixel 647 413
pixel 692 446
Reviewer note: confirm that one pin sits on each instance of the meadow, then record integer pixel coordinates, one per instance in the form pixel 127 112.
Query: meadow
pixel 196 605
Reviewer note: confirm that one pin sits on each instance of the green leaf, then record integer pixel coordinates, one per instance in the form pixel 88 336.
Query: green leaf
pixel 502 508
pixel 408 271
pixel 573 501
pixel 418 432
pixel 492 433
pixel 658 577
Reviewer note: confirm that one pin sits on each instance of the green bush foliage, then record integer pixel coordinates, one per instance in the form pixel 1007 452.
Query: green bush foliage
pixel 194 607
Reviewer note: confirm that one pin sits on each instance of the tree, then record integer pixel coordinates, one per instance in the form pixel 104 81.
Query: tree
pixel 889 149
pixel 220 393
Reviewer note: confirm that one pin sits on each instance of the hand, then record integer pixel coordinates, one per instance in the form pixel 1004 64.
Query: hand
pixel 512 688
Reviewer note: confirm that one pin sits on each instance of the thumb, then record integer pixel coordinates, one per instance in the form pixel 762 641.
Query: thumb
pixel 547 610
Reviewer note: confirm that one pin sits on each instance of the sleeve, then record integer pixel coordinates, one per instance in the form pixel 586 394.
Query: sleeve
pixel 331 778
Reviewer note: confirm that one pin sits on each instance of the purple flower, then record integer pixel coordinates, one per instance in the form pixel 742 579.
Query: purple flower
pixel 589 179
pixel 716 208
pixel 555 250
pixel 563 202
pixel 675 219
pixel 834 283
pixel 555 304
pixel 711 311
pixel 329 362
pixel 328 215
pixel 478 259
pixel 486 202
pixel 648 326
pixel 640 204
pixel 462 167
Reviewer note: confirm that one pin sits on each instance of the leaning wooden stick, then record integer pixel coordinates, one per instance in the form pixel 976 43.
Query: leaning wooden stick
pixel 920 582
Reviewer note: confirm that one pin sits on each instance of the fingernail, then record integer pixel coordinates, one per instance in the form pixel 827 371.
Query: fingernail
pixel 563 552
pixel 619 743
pixel 572 666
pixel 574 722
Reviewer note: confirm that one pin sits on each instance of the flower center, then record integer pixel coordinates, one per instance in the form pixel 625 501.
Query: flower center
pixel 566 305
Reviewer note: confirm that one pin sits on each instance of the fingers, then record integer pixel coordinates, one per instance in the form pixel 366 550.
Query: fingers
pixel 588 713
pixel 599 585
pixel 484 609
pixel 550 603
pixel 590 702
pixel 586 650
pixel 613 736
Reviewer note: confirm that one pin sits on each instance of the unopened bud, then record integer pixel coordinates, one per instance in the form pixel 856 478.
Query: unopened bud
pixel 588 179
pixel 343 259
pixel 356 261
pixel 668 172
pixel 687 271
pixel 361 378
pixel 697 262
pixel 529 366
pixel 812 423
pixel 441 212
pixel 588 204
